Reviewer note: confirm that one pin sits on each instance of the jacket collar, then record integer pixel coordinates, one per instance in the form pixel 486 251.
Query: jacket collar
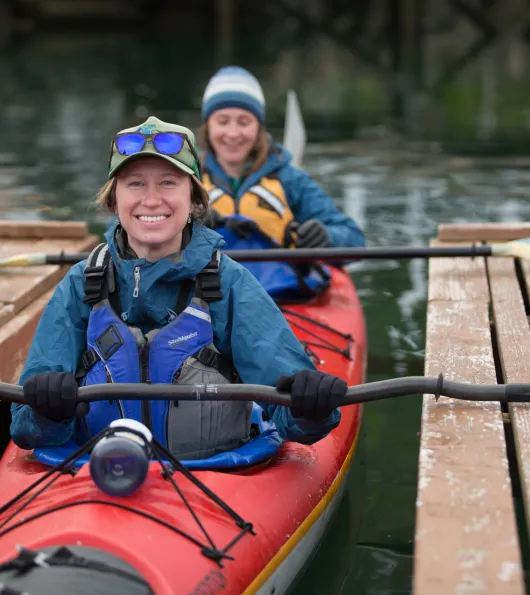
pixel 277 158
pixel 202 244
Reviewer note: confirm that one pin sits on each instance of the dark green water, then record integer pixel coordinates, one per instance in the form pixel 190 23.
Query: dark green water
pixel 62 99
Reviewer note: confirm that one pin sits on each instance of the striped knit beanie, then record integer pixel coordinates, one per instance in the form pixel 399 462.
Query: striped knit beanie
pixel 233 86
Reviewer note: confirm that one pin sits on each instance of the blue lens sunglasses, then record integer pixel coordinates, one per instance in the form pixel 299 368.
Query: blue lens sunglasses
pixel 165 143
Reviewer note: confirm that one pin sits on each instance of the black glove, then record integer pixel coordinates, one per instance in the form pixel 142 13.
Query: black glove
pixel 312 234
pixel 314 394
pixel 214 220
pixel 242 227
pixel 52 395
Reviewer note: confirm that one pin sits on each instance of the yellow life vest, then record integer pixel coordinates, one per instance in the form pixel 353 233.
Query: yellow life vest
pixel 265 203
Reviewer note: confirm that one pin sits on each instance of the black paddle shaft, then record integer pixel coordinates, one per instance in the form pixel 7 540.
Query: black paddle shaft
pixel 373 391
pixel 326 254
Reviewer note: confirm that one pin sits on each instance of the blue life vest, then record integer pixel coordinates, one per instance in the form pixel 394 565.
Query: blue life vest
pixel 181 352
pixel 282 281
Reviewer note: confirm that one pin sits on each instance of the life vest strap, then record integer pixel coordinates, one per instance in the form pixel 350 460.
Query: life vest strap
pixel 216 360
pixel 96 287
pixel 208 281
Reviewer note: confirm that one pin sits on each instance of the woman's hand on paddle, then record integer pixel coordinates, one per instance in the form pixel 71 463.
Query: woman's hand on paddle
pixel 312 234
pixel 314 394
pixel 52 395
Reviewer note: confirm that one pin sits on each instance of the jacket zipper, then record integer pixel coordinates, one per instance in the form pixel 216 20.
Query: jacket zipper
pixel 144 359
pixel 144 377
pixel 136 290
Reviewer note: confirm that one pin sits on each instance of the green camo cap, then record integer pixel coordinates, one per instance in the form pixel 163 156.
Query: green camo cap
pixel 183 160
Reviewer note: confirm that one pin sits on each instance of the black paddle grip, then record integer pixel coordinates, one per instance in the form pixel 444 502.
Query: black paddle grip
pixel 517 393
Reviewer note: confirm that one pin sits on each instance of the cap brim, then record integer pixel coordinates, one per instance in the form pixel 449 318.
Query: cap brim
pixel 134 156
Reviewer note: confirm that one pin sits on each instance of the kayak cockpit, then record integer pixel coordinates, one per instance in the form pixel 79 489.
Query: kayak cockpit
pixel 70 569
pixel 261 447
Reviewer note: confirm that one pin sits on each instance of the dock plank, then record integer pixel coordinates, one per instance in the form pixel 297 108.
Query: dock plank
pixel 16 336
pixel 466 535
pixel 20 286
pixel 43 229
pixel 513 339
pixel 7 311
pixel 474 232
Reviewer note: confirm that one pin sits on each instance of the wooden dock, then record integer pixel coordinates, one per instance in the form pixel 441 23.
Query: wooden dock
pixel 474 462
pixel 24 292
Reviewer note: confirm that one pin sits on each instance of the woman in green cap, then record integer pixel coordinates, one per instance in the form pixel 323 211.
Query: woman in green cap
pixel 158 303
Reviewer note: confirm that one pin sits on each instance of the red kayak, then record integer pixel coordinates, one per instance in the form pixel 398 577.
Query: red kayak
pixel 271 518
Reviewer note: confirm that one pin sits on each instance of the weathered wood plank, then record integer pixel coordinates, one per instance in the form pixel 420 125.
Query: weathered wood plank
pixel 513 339
pixel 20 286
pixel 21 289
pixel 458 279
pixel 7 311
pixel 16 337
pixel 466 535
pixel 13 247
pixel 43 229
pixel 500 232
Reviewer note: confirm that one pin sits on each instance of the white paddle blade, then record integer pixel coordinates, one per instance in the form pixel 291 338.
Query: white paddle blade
pixel 294 136
pixel 22 260
pixel 516 249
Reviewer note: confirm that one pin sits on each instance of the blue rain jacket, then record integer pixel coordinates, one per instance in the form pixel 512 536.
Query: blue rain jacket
pixel 247 326
pixel 306 198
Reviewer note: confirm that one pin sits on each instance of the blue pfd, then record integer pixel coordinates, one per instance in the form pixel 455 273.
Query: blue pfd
pixel 181 352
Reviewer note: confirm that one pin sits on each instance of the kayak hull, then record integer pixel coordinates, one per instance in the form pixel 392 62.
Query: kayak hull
pixel 289 501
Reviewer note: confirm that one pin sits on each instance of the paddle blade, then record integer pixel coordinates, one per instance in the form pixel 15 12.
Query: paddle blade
pixel 516 249
pixel 294 134
pixel 24 260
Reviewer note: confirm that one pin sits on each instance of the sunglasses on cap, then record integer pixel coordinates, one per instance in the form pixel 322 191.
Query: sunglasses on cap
pixel 165 143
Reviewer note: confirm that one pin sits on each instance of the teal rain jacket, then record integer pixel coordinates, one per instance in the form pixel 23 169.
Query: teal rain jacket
pixel 247 326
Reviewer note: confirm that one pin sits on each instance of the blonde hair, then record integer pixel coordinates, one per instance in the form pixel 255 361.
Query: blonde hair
pixel 258 153
pixel 106 198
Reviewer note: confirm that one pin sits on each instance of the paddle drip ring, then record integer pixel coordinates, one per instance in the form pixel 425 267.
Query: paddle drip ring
pixel 439 387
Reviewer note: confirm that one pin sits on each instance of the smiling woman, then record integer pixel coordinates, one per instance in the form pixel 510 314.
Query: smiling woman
pixel 249 175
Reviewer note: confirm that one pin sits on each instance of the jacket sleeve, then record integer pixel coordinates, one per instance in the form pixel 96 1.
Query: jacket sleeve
pixel 248 325
pixel 308 201
pixel 58 344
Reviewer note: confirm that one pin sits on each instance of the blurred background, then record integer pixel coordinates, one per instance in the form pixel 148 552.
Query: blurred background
pixel 417 113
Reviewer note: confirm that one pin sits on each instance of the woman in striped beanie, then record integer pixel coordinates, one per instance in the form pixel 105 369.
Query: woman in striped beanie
pixel 248 174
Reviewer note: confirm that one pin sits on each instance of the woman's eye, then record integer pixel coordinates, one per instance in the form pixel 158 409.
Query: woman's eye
pixel 135 184
pixel 168 183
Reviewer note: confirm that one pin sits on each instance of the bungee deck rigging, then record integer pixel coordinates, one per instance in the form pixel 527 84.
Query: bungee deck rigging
pixel 169 466
pixel 323 343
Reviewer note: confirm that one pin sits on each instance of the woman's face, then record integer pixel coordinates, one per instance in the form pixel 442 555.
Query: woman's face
pixel 232 133
pixel 153 203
